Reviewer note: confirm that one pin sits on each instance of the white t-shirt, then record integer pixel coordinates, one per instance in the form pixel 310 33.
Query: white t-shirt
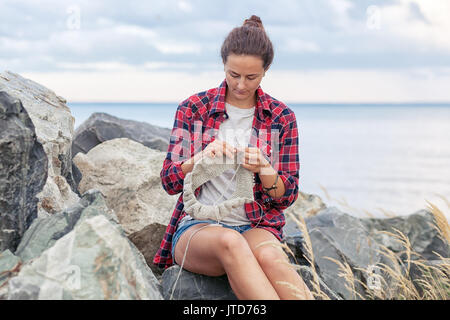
pixel 236 130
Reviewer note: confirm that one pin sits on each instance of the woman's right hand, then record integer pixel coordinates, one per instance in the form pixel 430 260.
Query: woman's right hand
pixel 215 149
pixel 218 148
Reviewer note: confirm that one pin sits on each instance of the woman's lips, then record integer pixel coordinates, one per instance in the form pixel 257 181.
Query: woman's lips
pixel 239 92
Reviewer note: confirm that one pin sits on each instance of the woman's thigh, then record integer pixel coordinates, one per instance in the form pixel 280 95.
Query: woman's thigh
pixel 203 249
pixel 264 245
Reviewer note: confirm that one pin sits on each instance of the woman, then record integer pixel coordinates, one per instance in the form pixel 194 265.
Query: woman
pixel 243 247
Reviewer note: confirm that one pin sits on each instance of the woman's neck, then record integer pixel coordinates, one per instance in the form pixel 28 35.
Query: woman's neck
pixel 244 104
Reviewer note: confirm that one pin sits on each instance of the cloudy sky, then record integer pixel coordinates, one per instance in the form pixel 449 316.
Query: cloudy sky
pixel 325 50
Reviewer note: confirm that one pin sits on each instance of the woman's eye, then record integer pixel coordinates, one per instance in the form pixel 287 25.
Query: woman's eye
pixel 235 76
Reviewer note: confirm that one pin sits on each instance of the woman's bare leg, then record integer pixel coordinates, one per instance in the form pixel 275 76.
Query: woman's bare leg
pixel 215 250
pixel 274 263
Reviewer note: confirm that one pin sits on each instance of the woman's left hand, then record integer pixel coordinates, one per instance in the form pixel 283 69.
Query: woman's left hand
pixel 254 160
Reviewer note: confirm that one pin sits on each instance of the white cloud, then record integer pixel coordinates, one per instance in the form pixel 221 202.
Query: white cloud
pixel 298 46
pixel 433 31
pixel 330 38
pixel 340 86
pixel 135 31
pixel 169 47
pixel 185 6
pixel 372 86
pixel 340 8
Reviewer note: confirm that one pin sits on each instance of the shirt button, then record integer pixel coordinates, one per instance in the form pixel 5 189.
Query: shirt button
pixel 224 116
pixel 266 200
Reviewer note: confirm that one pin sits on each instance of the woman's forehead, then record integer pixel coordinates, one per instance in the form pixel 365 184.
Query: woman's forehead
pixel 245 64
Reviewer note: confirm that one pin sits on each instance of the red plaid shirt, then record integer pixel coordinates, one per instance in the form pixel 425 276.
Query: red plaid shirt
pixel 197 122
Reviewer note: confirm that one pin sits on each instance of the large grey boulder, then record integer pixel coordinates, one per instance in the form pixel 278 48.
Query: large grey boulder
pixel 45 231
pixel 360 242
pixel 101 127
pixel 308 277
pixel 419 227
pixel 9 267
pixel 128 174
pixel 23 171
pixel 306 205
pixel 53 124
pixel 192 286
pixel 93 261
pixel 344 238
pixel 148 241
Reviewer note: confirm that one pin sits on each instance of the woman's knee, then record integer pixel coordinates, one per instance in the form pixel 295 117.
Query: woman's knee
pixel 270 257
pixel 232 245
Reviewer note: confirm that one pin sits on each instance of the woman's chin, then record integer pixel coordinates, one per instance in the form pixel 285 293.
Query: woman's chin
pixel 240 97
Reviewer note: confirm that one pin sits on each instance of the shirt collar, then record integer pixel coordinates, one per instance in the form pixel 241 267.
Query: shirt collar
pixel 218 106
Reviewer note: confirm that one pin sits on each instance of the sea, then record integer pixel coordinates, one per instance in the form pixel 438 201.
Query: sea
pixel 368 160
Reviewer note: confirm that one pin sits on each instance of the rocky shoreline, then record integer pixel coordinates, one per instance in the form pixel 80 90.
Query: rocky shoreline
pixel 83 212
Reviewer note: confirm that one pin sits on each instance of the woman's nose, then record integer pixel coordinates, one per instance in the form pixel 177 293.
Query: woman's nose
pixel 241 84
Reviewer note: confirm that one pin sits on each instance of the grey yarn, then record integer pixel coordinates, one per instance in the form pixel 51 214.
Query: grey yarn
pixel 206 169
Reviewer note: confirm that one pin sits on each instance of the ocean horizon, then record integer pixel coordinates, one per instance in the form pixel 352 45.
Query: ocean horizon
pixel 367 159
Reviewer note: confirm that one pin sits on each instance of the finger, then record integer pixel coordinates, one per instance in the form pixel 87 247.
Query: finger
pixel 249 167
pixel 251 149
pixel 227 149
pixel 252 159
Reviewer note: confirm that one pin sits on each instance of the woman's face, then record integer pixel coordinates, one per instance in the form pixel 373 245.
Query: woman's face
pixel 243 75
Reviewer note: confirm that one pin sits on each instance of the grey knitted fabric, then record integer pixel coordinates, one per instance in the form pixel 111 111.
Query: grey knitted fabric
pixel 208 168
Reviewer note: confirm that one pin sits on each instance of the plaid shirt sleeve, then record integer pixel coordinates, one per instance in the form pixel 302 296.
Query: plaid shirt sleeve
pixel 172 177
pixel 288 164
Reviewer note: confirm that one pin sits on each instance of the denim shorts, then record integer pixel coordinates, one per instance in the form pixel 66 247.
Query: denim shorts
pixel 187 224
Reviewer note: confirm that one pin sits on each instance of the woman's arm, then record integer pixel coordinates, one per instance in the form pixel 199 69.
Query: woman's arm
pixel 287 168
pixel 269 178
pixel 172 175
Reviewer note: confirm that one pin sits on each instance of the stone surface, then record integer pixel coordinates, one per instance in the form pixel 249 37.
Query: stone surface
pixel 9 267
pixel 128 174
pixel 45 231
pixel 148 241
pixel 100 127
pixel 420 229
pixel 94 260
pixel 307 275
pixel 23 171
pixel 53 123
pixel 192 286
pixel 306 205
pixel 339 236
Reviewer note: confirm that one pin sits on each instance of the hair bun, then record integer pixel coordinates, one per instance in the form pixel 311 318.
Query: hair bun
pixel 253 21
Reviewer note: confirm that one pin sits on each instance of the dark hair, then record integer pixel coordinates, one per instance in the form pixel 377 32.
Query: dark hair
pixel 249 39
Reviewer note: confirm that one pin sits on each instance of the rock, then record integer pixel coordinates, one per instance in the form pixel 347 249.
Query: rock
pixel 128 174
pixel 419 227
pixel 101 127
pixel 307 275
pixel 148 241
pixel 192 286
pixel 9 267
pixel 93 261
pixel 306 205
pixel 53 123
pixel 417 272
pixel 23 171
pixel 339 236
pixel 45 231
pixel 294 238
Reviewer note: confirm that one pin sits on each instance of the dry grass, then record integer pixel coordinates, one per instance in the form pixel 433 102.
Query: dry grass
pixel 394 282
